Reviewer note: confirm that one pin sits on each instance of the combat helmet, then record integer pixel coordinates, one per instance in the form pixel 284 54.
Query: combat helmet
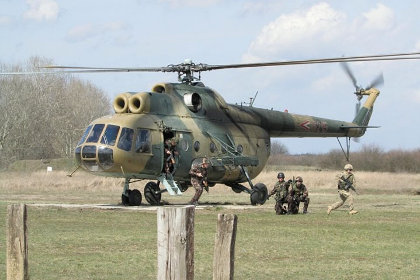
pixel 280 175
pixel 348 166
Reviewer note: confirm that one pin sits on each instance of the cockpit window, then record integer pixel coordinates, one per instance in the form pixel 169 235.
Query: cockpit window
pixel 126 139
pixel 95 133
pixel 110 135
pixel 143 141
pixel 85 134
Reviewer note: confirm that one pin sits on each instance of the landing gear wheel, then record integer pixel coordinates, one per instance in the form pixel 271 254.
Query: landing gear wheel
pixel 125 200
pixel 134 198
pixel 150 193
pixel 259 194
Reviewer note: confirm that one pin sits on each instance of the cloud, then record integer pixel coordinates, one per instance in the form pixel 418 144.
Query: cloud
pixel 379 18
pixel 320 23
pixel 89 31
pixel 42 10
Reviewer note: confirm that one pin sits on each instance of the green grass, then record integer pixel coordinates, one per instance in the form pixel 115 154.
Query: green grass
pixel 381 242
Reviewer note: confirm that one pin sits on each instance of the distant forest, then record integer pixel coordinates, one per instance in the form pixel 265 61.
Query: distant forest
pixel 369 158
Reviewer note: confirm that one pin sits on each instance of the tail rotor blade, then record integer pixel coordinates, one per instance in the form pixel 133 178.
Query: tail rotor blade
pixel 349 73
pixel 377 82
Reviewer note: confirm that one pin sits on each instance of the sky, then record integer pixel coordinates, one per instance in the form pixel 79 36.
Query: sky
pixel 145 33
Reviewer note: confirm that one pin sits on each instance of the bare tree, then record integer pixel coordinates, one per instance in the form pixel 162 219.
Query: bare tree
pixel 42 115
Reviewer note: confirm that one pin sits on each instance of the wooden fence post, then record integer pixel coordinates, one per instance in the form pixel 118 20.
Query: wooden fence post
pixel 175 242
pixel 17 245
pixel 224 249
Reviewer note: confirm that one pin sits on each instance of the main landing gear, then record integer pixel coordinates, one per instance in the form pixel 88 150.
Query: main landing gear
pixel 152 193
pixel 258 192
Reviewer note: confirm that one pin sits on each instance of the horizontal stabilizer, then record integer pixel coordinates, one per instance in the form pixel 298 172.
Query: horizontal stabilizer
pixel 359 126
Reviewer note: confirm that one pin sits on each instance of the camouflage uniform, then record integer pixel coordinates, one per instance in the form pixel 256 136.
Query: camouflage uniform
pixel 344 193
pixel 281 191
pixel 198 180
pixel 298 193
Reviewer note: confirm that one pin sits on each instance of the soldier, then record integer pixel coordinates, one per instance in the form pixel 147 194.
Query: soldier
pixel 281 190
pixel 298 193
pixel 346 181
pixel 199 180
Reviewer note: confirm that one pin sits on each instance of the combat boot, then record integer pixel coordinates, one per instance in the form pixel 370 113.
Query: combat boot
pixel 352 212
pixel 196 197
pixel 329 210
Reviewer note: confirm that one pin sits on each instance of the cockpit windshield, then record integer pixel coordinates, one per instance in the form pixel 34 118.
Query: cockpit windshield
pixel 85 134
pixel 110 135
pixel 95 133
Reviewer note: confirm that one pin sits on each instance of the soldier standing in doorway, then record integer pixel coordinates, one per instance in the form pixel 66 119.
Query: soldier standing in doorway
pixel 346 181
pixel 199 180
pixel 280 190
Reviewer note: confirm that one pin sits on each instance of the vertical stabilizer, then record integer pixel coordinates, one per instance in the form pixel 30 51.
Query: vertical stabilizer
pixel 363 116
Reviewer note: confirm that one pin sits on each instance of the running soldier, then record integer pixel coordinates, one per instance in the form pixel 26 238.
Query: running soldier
pixel 280 190
pixel 346 181
pixel 298 193
pixel 199 180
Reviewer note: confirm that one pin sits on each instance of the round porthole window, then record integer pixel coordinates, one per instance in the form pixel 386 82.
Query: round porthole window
pixel 212 147
pixel 196 146
pixel 184 145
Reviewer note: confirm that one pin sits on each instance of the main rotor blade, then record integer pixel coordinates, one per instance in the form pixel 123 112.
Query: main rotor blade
pixel 402 56
pixel 191 67
pixel 346 69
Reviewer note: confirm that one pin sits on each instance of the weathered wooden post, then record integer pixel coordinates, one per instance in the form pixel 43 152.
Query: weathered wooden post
pixel 17 245
pixel 175 242
pixel 224 249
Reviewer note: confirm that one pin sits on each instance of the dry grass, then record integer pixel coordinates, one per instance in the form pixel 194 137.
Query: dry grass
pixel 83 187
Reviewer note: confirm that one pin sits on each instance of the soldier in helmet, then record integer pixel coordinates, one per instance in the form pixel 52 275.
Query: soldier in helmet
pixel 346 181
pixel 280 190
pixel 199 180
pixel 298 193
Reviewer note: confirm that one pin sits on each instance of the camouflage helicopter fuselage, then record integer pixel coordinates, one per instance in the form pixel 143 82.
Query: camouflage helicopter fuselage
pixel 130 143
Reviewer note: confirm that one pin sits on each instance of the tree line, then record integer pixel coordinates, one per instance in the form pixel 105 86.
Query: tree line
pixel 43 116
pixel 369 158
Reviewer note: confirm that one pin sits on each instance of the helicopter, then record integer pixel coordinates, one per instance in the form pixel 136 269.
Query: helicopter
pixel 190 122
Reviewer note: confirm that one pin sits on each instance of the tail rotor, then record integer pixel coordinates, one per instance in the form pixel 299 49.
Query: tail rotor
pixel 378 81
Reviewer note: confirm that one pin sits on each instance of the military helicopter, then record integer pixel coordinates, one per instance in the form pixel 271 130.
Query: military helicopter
pixel 235 139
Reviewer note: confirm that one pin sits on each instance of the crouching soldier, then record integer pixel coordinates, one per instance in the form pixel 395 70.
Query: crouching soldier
pixel 280 190
pixel 298 193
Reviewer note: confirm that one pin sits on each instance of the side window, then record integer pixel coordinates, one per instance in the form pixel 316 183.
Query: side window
pixel 110 135
pixel 126 139
pixel 143 142
pixel 95 133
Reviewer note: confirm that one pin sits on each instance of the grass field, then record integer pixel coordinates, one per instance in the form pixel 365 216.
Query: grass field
pixel 381 242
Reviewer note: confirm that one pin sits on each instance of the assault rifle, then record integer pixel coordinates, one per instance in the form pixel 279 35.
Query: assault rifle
pixel 348 185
